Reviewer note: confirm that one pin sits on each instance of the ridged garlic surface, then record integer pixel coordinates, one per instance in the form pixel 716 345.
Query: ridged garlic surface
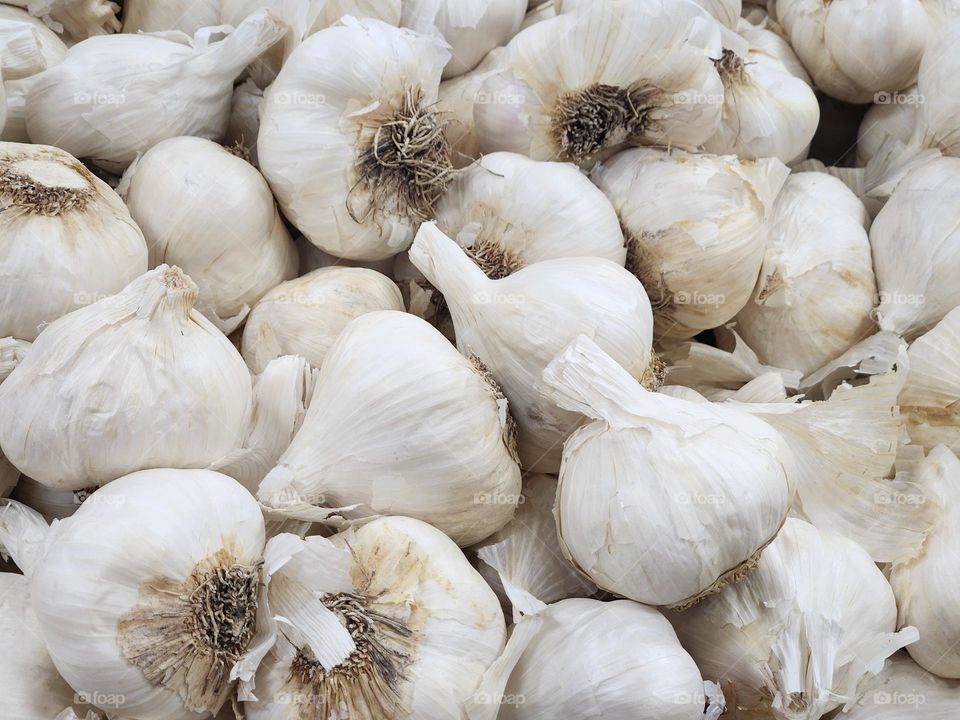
pixel 66 238
pixel 589 82
pixel 387 620
pixel 185 15
pixel 304 316
pixel 726 11
pixel 695 228
pixel 796 637
pixel 332 137
pixel 896 117
pixel 118 95
pixel 134 381
pixel 75 19
pixel 508 211
pixel 400 423
pixel 816 288
pixel 905 691
pixel 211 213
pixel 517 324
pixel 662 500
pixel 937 124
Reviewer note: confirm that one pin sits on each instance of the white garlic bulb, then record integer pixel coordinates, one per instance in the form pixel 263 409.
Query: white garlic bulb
pixel 372 439
pixel 244 124
pixel 333 137
pixel 168 88
pixel 726 11
pixel 186 15
pixel 517 324
pixel 76 19
pixel 896 116
pixel 702 488
pixel 211 213
pixel 472 29
pixel 21 52
pixel 396 625
pixel 905 691
pixel 66 238
pixel 796 636
pixel 816 288
pixel 304 316
pixel 853 51
pixel 589 82
pixel 133 381
pixel 695 230
pixel 936 101
pixel 508 211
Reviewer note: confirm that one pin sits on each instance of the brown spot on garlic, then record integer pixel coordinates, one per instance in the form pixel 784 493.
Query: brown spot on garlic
pixel 510 430
pixel 49 185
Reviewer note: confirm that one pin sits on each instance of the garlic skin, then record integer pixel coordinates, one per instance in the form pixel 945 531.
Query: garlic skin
pixel 66 238
pixel 854 50
pixel 185 15
pixel 905 691
pixel 100 385
pixel 936 106
pixel 244 124
pixel 695 230
pixel 602 63
pixel 701 488
pixel 472 29
pixel 325 148
pixel 171 545
pixel 916 279
pixel 795 637
pixel 304 316
pixel 169 88
pixel 517 325
pixel 51 46
pixel 816 288
pixel 211 213
pixel 435 623
pixel 509 211
pixel 457 99
pixel 369 440
pixel 726 11
pixel 897 117
pixel 76 19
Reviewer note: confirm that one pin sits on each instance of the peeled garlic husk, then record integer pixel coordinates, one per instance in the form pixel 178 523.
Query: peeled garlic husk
pixel 508 211
pixel 66 238
pixel 244 124
pixel 304 316
pixel 76 19
pixel 877 354
pixel 472 29
pixel 431 438
pixel 185 15
pixel 332 134
pixel 169 86
pixel 854 52
pixel 816 288
pixel 796 637
pixel 211 213
pixel 594 80
pixel 905 691
pixel 136 380
pixel 421 627
pixel 695 230
pixel 896 116
pixel 516 326
pixel 916 249
pixel 701 488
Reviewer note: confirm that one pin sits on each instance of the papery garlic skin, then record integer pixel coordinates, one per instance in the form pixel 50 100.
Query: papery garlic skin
pixel 458 98
pixel 896 117
pixel 508 211
pixel 304 316
pixel 432 438
pixel 695 230
pixel 136 380
pixel 937 106
pixel 905 691
pixel 185 15
pixel 322 149
pixel 726 11
pixel 66 238
pixel 170 546
pixel 816 288
pixel 76 19
pixel 244 125
pixel 517 325
pixel 211 213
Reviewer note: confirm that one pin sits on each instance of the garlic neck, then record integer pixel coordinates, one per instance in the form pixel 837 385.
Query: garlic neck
pixel 168 289
pixel 732 69
pixel 45 185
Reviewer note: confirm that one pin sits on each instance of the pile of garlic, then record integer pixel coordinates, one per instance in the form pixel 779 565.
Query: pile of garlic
pixel 479 359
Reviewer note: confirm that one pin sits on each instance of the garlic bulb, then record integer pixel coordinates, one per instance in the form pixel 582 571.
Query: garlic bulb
pixel 854 51
pixel 816 288
pixel 765 34
pixel 211 213
pixel 916 249
pixel 905 691
pixel 395 625
pixel 21 53
pixel 333 135
pixel 186 15
pixel 508 211
pixel 133 381
pixel 457 99
pixel 796 637
pixel 50 46
pixel 77 19
pixel 589 82
pixel 66 238
pixel 472 29
pixel 149 619
pixel 896 116
pixel 373 440
pixel 244 124
pixel 702 488
pixel 936 103
pixel 516 326
pixel 536 14
pixel 304 316
pixel 695 230
pixel 168 88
